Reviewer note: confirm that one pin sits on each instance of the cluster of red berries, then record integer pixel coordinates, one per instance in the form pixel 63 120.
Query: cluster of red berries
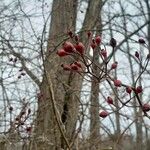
pixel 76 66
pixel 95 42
pixel 104 114
pixel 79 48
pixel 69 48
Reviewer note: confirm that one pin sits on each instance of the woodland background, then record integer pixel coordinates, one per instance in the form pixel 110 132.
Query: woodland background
pixel 43 107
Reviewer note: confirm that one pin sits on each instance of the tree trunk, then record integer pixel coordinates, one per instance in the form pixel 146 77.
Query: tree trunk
pixel 63 109
pixel 57 116
pixel 94 99
pixel 94 107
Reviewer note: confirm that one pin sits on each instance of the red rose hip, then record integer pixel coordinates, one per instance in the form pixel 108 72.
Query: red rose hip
pixel 80 47
pixel 109 100
pixel 117 83
pixel 128 90
pixel 114 65
pixel 98 40
pixel 103 114
pixel 138 90
pixel 146 107
pixel 68 47
pixel 62 53
pixel 141 41
pixel 74 67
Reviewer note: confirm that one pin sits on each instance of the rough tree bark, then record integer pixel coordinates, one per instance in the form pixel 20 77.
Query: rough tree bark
pixel 94 98
pixel 66 86
pixel 94 105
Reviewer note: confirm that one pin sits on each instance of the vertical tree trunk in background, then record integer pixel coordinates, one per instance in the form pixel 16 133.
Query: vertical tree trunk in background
pixel 91 17
pixel 94 105
pixel 139 122
pixel 139 133
pixel 65 85
pixel 147 140
pixel 117 114
pixel 94 99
